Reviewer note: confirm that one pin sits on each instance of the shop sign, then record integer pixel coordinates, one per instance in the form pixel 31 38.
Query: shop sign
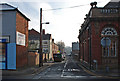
pixel 4 39
pixel 20 39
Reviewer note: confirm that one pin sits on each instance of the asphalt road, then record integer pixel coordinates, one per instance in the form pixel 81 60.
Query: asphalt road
pixel 66 70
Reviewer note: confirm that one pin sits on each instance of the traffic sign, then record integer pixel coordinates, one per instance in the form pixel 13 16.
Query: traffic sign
pixel 105 42
pixel 45 50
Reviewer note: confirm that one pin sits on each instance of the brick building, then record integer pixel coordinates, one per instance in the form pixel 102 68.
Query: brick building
pixel 55 47
pixel 75 50
pixel 47 46
pixel 34 39
pixel 99 37
pixel 75 47
pixel 13 38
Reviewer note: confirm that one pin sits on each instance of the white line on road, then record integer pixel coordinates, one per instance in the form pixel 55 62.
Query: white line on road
pixel 78 76
pixel 64 68
pixel 65 64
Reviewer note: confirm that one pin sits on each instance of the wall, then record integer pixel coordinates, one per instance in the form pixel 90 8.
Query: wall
pixel 8 30
pixel 9 25
pixel 22 51
pixel 75 46
pixel 33 59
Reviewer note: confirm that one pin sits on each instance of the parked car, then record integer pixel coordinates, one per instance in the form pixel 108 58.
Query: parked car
pixel 57 57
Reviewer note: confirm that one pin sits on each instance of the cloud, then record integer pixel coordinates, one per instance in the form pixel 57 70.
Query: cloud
pixel 65 23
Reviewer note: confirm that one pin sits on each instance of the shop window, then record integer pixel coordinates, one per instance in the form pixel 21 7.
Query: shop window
pixel 2 52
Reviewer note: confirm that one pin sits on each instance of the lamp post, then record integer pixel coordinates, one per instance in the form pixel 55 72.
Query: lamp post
pixel 40 46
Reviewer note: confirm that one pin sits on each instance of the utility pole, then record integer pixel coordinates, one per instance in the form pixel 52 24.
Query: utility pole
pixel 40 46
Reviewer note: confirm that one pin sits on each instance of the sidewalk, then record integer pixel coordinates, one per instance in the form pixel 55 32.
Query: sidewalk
pixel 26 70
pixel 110 74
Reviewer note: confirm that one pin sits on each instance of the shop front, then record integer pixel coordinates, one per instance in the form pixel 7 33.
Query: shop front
pixel 7 53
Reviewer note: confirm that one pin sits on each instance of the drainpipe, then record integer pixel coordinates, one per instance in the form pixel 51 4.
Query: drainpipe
pixel 90 55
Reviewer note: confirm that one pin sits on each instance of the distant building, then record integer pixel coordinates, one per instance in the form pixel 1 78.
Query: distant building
pixel 47 45
pixel 99 37
pixel 55 47
pixel 75 49
pixel 13 38
pixel 34 39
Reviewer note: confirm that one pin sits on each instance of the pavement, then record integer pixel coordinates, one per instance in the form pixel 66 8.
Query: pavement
pixel 26 70
pixel 111 74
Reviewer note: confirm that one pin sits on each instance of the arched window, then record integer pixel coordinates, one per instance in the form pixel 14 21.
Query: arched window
pixel 109 31
pixel 110 51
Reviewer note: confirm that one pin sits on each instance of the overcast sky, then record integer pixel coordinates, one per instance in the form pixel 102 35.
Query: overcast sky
pixel 64 23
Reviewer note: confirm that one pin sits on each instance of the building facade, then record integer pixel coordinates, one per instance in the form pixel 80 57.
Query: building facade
pixel 55 47
pixel 75 50
pixel 75 47
pixel 34 39
pixel 99 37
pixel 13 38
pixel 47 46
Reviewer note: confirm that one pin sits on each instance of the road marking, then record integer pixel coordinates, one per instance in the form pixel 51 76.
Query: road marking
pixel 79 77
pixel 65 64
pixel 73 70
pixel 64 68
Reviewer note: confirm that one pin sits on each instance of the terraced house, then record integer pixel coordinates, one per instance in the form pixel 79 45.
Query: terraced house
pixel 99 37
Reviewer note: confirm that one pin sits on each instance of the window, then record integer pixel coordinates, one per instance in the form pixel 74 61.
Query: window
pixel 2 51
pixel 109 11
pixel 110 51
pixel 45 42
pixel 109 31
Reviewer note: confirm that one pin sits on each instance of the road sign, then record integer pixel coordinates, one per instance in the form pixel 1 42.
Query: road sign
pixel 105 42
pixel 45 50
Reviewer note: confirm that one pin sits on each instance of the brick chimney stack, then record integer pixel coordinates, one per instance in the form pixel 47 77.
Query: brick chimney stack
pixel 43 31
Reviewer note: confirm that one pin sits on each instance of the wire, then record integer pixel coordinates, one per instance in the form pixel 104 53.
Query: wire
pixel 68 7
pixel 64 8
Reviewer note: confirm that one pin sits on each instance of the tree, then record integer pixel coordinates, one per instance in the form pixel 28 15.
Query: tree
pixel 61 46
pixel 68 49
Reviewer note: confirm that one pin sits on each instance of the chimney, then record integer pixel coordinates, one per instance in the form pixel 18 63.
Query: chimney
pixel 53 40
pixel 43 31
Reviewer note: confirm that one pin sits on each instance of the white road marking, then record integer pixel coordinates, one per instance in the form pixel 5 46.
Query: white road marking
pixel 64 68
pixel 79 76
pixel 73 70
pixel 65 64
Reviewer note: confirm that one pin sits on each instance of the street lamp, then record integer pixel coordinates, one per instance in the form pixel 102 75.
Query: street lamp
pixel 40 46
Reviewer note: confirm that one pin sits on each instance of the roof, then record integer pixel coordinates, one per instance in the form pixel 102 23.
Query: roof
pixel 113 5
pixel 33 35
pixel 7 7
pixel 46 36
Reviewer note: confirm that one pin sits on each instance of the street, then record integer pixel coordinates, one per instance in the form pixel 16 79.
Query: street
pixel 67 69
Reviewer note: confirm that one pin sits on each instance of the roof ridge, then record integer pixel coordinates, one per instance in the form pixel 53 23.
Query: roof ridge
pixel 8 5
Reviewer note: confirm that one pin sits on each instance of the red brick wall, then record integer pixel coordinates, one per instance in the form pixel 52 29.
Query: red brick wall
pixel 96 45
pixel 33 59
pixel 22 51
pixel 96 40
pixel 21 56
